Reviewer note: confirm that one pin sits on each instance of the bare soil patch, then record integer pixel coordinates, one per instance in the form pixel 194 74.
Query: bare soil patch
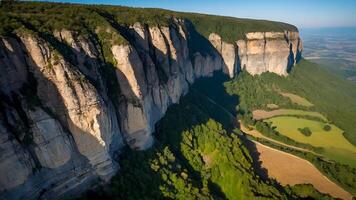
pixel 272 106
pixel 207 160
pixel 291 170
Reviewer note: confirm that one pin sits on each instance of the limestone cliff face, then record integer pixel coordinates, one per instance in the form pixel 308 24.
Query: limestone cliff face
pixel 62 123
pixel 260 52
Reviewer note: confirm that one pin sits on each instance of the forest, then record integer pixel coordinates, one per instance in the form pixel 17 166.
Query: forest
pixel 49 17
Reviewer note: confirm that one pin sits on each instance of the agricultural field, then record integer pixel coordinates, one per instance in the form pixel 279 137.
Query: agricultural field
pixel 263 114
pixel 278 166
pixel 334 143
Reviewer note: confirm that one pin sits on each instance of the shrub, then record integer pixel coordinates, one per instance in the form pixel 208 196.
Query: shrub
pixel 305 131
pixel 327 127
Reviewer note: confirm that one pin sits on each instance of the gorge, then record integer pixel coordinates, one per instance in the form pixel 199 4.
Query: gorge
pixel 71 101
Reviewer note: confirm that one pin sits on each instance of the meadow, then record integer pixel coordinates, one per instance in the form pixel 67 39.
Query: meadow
pixel 334 143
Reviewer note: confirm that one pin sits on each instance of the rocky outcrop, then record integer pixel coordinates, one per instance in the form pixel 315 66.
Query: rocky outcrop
pixel 76 102
pixel 260 52
pixel 68 107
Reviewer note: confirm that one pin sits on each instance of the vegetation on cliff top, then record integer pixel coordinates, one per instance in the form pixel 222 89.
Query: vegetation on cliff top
pixel 48 17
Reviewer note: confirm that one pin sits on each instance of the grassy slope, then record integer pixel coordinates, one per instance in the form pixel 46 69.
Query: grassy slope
pixel 83 18
pixel 331 95
pixel 345 68
pixel 319 136
pixel 336 146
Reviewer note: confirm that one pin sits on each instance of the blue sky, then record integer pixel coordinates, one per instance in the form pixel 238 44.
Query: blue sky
pixel 302 13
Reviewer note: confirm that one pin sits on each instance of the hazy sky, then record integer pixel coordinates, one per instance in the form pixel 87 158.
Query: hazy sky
pixel 302 13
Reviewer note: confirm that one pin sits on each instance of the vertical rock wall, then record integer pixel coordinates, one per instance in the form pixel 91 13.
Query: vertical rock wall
pixel 260 52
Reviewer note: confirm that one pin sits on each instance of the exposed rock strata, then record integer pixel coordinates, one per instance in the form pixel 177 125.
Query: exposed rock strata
pixel 260 52
pixel 61 127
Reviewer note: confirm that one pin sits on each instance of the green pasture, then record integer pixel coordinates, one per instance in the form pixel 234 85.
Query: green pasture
pixel 335 144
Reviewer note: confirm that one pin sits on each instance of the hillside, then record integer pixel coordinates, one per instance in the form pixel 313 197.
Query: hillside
pixel 330 94
pixel 333 105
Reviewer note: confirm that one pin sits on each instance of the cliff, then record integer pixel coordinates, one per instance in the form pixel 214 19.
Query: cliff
pixel 70 101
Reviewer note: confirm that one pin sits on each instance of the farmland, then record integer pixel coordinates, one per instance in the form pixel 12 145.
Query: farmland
pixel 262 114
pixel 278 166
pixel 334 143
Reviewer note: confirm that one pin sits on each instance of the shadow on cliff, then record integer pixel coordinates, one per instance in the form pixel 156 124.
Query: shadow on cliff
pixel 257 163
pixel 136 172
pixel 111 85
pixel 57 108
pixel 196 108
pixel 136 178
pixel 151 63
pixel 213 88
pixel 291 59
pixel 197 43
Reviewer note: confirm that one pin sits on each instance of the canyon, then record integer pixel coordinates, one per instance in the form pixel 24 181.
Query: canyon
pixel 68 111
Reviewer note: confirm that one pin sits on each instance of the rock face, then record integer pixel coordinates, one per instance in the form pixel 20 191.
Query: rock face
pixel 53 148
pixel 260 52
pixel 66 111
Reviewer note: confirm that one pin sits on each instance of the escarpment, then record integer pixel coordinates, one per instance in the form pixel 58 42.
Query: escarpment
pixel 70 102
pixel 260 52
